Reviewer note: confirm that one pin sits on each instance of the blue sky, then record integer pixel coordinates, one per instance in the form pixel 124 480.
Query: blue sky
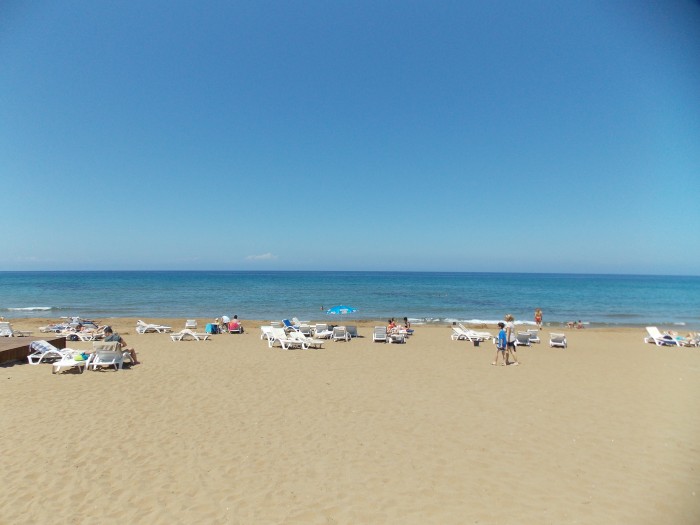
pixel 543 136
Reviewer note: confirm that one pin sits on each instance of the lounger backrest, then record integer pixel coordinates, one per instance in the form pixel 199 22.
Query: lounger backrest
pixel 278 333
pixel 297 336
pixel 523 338
pixel 41 346
pixel 112 346
pixel 107 357
pixel 654 332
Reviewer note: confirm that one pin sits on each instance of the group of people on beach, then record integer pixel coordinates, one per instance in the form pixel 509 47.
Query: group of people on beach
pixel 505 343
pixel 506 349
pixel 392 326
pixel 226 324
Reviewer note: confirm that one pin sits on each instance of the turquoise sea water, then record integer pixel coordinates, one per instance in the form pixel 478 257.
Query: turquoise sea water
pixel 625 300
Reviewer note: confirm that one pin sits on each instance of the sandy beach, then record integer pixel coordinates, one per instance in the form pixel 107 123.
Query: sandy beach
pixel 231 431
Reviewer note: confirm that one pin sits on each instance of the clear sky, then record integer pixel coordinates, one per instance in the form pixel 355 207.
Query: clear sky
pixel 534 136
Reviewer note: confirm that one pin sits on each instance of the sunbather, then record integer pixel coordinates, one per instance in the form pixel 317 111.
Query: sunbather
pixel 111 336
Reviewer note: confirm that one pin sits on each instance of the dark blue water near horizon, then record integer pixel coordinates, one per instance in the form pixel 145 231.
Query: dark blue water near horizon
pixel 437 297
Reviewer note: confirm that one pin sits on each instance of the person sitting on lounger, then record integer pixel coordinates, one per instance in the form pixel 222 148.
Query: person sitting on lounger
pixel 111 336
pixel 235 325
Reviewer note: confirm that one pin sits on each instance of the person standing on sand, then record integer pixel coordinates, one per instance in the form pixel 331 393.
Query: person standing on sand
pixel 538 318
pixel 510 340
pixel 111 336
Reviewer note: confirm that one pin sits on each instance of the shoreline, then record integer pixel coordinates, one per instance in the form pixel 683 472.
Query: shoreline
pixel 32 323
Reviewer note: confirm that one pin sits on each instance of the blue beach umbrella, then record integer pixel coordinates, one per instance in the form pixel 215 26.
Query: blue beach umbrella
pixel 341 309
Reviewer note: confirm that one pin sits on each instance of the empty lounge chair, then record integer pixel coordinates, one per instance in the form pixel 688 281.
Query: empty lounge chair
pixel 187 334
pixel 286 341
pixel 557 340
pixel 522 338
pixel 43 351
pixel 534 335
pixel 144 328
pixel 6 330
pixel 379 334
pixel 321 331
pixel 340 334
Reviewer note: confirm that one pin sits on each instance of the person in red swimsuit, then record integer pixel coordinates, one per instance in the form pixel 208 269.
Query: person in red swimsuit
pixel 538 318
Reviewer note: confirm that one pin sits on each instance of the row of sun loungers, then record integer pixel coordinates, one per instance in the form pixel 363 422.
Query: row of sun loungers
pixel 104 355
pixel 660 339
pixel 6 330
pixel 287 335
pixel 522 338
pixel 381 334
pixel 278 336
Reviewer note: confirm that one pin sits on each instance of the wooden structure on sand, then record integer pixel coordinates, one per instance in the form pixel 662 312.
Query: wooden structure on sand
pixel 17 348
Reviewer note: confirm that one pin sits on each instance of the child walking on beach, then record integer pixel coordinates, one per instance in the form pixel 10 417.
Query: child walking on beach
pixel 501 345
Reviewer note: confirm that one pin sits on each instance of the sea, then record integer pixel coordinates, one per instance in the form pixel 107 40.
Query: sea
pixel 423 297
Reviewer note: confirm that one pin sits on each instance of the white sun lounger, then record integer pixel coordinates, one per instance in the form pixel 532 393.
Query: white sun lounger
pixel 534 335
pixel 266 333
pixel 107 358
pixel 284 339
pixel 660 339
pixel 144 328
pixel 396 336
pixel 187 334
pixel 43 351
pixel 379 334
pixel 557 340
pixel 75 361
pixel 522 339
pixel 322 332
pixel 6 330
pixel 485 336
pixel 306 342
pixel 340 334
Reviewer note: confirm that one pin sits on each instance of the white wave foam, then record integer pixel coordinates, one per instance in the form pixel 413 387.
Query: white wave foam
pixel 30 308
